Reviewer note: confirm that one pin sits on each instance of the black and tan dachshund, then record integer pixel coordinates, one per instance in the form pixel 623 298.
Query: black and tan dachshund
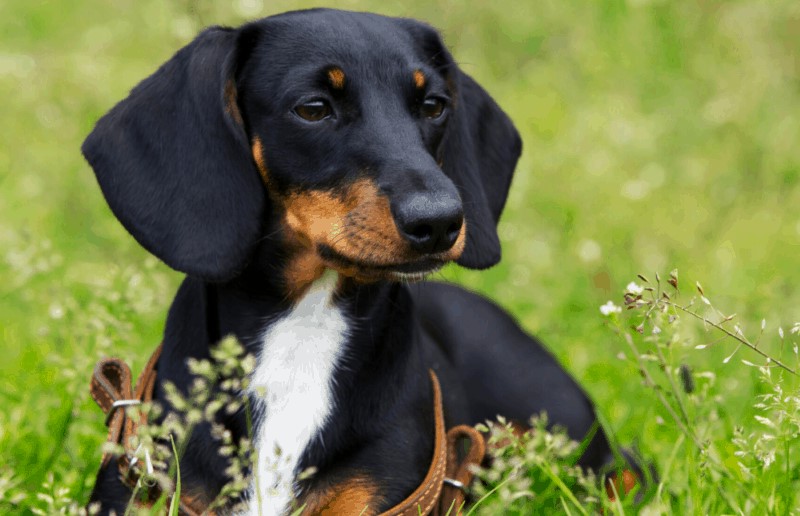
pixel 304 170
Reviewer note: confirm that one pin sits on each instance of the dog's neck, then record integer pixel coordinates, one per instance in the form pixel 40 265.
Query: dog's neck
pixel 330 365
pixel 293 391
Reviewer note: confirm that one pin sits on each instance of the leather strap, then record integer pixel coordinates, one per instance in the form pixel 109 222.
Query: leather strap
pixel 111 383
pixel 442 488
pixel 460 472
pixel 111 389
pixel 424 498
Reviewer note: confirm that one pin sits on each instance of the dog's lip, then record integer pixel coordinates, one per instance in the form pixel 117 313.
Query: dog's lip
pixel 416 267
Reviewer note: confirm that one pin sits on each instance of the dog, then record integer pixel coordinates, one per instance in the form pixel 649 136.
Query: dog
pixel 305 171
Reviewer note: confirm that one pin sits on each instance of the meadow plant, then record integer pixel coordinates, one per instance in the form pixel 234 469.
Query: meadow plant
pixel 217 390
pixel 725 459
pixel 533 471
pixel 62 305
pixel 743 466
pixel 656 132
pixel 718 465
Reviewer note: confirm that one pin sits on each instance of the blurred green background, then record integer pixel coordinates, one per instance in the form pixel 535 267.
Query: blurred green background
pixel 657 135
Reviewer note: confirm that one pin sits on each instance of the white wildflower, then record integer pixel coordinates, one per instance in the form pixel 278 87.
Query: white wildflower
pixel 634 289
pixel 610 308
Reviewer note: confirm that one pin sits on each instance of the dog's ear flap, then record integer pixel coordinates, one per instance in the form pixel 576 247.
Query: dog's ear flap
pixel 479 152
pixel 175 165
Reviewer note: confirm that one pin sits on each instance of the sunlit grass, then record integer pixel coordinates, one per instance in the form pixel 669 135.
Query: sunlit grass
pixel 657 135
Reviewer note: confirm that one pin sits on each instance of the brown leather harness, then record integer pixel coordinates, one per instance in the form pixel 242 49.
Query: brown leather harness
pixel 441 491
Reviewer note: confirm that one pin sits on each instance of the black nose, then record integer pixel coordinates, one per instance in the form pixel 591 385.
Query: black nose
pixel 429 223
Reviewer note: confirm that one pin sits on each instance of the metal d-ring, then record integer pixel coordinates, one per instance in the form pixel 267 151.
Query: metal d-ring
pixel 455 483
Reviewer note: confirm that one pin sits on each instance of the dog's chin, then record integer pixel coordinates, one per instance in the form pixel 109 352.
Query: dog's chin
pixel 360 270
pixel 411 277
pixel 403 273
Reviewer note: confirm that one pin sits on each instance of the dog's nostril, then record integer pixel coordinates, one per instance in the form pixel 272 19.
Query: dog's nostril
pixel 421 232
pixel 453 230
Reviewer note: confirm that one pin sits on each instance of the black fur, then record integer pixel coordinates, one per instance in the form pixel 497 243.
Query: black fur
pixel 174 161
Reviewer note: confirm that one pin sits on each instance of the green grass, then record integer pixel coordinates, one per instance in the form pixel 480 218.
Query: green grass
pixel 657 135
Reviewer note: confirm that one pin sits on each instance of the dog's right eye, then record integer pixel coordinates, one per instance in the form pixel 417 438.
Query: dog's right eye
pixel 314 110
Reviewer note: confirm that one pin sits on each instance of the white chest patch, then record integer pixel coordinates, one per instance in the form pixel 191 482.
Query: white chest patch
pixel 293 386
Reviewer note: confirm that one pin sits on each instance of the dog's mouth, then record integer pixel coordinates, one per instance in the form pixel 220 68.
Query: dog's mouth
pixel 414 270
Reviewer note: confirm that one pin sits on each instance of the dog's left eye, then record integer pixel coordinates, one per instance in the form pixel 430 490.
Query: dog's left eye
pixel 314 110
pixel 433 107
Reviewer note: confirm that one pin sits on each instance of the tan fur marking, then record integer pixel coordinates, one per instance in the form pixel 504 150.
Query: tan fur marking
pixel 358 225
pixel 454 253
pixel 336 77
pixel 231 105
pixel 419 79
pixel 258 156
pixel 303 269
pixel 356 496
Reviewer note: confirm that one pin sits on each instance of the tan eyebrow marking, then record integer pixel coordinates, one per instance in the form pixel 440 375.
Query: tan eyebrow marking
pixel 419 79
pixel 336 78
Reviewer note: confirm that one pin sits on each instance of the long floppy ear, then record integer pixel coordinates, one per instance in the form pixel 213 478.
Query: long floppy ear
pixel 479 152
pixel 175 166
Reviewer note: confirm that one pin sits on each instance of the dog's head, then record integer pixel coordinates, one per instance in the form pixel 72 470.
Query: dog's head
pixel 380 157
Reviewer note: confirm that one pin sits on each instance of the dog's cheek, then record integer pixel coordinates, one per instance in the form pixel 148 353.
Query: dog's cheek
pixel 355 221
pixel 373 219
pixel 317 217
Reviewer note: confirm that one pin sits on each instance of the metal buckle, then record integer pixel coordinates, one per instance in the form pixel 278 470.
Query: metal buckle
pixel 120 403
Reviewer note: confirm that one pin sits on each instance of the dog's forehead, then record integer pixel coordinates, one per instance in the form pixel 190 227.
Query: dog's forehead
pixel 304 39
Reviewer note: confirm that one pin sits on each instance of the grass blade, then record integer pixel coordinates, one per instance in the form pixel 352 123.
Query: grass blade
pixel 175 503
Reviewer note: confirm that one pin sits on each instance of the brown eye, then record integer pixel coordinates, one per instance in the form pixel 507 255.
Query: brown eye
pixel 314 110
pixel 432 107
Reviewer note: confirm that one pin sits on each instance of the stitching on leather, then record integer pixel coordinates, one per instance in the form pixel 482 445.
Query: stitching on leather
pixel 440 455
